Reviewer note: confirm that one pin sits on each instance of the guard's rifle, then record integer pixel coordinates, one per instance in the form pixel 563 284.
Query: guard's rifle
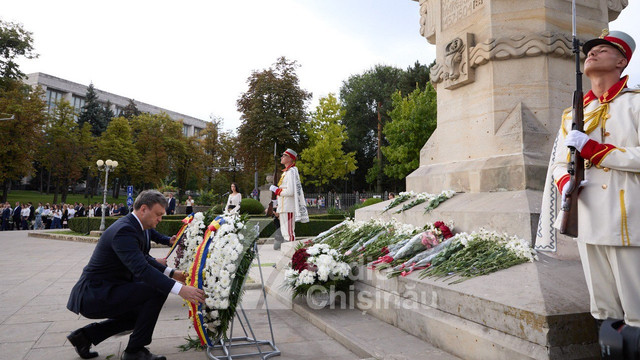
pixel 274 197
pixel 575 168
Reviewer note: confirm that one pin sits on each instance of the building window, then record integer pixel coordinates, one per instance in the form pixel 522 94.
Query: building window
pixel 196 131
pixel 78 103
pixel 185 130
pixel 53 97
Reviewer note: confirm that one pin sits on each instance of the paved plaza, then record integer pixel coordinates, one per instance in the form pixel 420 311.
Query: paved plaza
pixel 36 276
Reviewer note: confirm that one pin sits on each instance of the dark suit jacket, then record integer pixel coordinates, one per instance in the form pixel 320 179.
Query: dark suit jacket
pixel 118 258
pixel 171 206
pixel 16 213
pixel 6 214
pixel 32 213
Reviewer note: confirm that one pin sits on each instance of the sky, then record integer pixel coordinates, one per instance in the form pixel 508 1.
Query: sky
pixel 194 57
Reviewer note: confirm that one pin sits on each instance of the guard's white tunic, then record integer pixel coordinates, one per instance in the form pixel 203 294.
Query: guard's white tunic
pixel 608 210
pixel 609 213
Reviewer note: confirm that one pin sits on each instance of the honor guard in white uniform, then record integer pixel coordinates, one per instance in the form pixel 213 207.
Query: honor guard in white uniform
pixel 608 208
pixel 292 206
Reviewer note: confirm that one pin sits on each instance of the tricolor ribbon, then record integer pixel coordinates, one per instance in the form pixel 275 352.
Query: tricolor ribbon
pixel 181 233
pixel 196 280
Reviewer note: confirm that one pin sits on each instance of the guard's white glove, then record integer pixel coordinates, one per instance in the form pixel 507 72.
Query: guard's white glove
pixel 273 188
pixel 566 188
pixel 577 139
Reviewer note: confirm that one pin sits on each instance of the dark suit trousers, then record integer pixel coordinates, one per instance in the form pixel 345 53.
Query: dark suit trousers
pixel 138 309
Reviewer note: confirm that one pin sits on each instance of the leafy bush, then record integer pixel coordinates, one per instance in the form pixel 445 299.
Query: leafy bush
pixel 351 211
pixel 206 198
pixel 86 224
pixel 371 201
pixel 312 228
pixel 251 206
pixel 217 209
pixel 339 216
pixel 335 211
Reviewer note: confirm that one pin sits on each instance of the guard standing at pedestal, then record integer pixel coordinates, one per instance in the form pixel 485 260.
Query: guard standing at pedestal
pixel 608 225
pixel 292 206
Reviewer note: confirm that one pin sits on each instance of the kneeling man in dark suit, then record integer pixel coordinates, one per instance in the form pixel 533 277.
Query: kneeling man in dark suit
pixel 126 286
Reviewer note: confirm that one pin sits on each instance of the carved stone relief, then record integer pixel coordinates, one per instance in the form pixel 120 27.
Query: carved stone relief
pixel 428 20
pixel 454 70
pixel 615 7
pixel 546 43
pixel 552 44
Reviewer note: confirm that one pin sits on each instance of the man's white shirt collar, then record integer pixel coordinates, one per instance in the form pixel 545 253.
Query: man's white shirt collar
pixel 139 222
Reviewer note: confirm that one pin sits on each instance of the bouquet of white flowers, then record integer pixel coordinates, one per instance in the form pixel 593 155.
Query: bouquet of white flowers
pixel 316 265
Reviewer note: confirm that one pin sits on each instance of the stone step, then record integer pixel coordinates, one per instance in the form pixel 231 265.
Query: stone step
pixel 530 311
pixel 361 333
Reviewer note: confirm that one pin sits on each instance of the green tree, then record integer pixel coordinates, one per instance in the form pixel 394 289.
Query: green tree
pixel 67 148
pixel 324 159
pixel 413 120
pixel 415 76
pixel 116 143
pixel 189 164
pixel 158 140
pixel 366 98
pixel 272 109
pixel 93 113
pixel 21 137
pixel 14 42
pixel 130 110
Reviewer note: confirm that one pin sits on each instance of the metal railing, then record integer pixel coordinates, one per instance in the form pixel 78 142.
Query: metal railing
pixel 340 200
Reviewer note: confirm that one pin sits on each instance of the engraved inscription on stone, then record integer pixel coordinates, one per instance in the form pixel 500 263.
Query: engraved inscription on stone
pixel 454 10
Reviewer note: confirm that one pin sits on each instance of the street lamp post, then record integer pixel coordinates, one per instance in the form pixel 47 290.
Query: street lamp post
pixel 105 166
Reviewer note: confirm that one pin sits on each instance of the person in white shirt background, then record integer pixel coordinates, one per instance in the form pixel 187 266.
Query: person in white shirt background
pixel 233 202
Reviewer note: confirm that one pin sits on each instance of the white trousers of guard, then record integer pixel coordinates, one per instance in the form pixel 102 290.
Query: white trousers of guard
pixel 288 226
pixel 613 279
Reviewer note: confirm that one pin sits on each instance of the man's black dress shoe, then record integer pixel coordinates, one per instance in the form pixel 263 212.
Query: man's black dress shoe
pixel 143 354
pixel 82 344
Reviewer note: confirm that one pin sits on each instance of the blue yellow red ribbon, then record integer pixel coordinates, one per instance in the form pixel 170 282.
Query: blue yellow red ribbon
pixel 197 280
pixel 181 234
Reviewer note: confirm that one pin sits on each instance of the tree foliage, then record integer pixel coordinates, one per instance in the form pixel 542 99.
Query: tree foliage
pixel 272 109
pixel 21 136
pixel 15 42
pixel 366 99
pixel 130 110
pixel 324 159
pixel 67 147
pixel 159 140
pixel 94 113
pixel 116 143
pixel 413 120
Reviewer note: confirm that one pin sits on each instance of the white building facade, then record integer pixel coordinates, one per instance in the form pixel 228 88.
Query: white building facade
pixel 57 89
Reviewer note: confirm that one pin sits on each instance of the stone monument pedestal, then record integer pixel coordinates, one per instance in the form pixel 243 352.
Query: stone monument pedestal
pixel 504 73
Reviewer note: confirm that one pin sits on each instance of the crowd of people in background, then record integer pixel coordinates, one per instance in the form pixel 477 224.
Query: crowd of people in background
pixel 28 216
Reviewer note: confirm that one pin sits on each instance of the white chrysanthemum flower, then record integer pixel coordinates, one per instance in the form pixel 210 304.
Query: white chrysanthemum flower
pixel 224 304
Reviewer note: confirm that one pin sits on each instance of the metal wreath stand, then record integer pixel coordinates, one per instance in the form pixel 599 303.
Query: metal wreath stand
pixel 249 339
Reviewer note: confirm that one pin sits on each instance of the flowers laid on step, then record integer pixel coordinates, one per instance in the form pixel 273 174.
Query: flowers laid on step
pixel 402 197
pixel 479 253
pixel 404 249
pixel 316 265
pixel 432 200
